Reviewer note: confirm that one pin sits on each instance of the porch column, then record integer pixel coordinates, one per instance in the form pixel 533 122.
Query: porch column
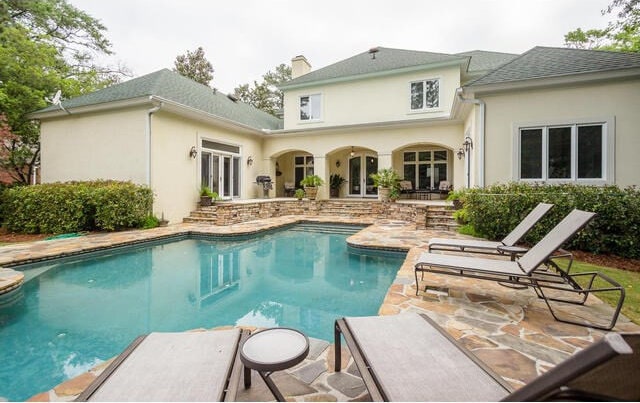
pixel 321 169
pixel 384 160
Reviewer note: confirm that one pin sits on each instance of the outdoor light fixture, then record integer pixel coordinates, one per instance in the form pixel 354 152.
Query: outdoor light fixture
pixel 249 160
pixel 193 153
pixel 352 153
pixel 337 163
pixel 460 153
pixel 464 151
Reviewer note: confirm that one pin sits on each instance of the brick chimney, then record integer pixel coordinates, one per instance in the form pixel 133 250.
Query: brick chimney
pixel 299 66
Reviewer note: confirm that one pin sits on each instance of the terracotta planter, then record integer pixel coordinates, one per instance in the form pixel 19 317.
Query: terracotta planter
pixel 311 192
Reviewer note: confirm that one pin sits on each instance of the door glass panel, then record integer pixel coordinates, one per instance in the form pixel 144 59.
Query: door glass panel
pixel 205 169
pixel 226 176
pixel 371 165
pixel 236 176
pixel 424 176
pixel 410 174
pixel 299 175
pixel 215 174
pixel 560 152
pixel 439 174
pixel 354 175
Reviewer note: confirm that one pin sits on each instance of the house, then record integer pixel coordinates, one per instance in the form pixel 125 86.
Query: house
pixel 470 119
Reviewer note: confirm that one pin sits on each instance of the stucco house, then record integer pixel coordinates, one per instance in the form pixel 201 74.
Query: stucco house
pixel 470 119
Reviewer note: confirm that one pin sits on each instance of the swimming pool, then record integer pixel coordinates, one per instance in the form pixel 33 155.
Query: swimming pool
pixel 74 314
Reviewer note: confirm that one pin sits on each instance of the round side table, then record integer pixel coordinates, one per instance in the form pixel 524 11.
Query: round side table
pixel 270 350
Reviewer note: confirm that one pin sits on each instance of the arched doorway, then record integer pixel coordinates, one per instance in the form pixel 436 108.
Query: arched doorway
pixel 361 165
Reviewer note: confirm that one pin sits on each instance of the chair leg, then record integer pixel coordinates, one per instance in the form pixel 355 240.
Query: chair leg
pixel 337 347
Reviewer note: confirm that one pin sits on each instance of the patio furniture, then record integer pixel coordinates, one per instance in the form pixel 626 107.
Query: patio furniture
pixel 406 188
pixel 191 366
pixel 273 350
pixel 408 357
pixel 523 271
pixel 444 188
pixel 491 247
pixel 289 189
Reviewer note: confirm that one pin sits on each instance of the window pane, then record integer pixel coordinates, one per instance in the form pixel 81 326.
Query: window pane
pixel 440 155
pixel 236 176
pixel 304 108
pixel 309 160
pixel 424 176
pixel 410 174
pixel 424 156
pixel 408 157
pixel 432 94
pixel 417 95
pixel 531 153
pixel 299 175
pixel 590 151
pixel 560 152
pixel 439 174
pixel 315 106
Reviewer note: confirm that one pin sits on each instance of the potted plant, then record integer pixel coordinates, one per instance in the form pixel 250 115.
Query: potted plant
pixel 385 179
pixel 311 184
pixel 394 193
pixel 457 197
pixel 335 181
pixel 299 194
pixel 207 196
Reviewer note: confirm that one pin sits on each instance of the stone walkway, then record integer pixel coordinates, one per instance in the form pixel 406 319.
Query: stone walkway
pixel 510 330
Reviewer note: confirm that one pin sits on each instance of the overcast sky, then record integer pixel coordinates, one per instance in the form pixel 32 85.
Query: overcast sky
pixel 244 39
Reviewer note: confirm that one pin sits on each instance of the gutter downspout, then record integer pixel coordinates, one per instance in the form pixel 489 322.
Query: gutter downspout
pixel 480 139
pixel 148 139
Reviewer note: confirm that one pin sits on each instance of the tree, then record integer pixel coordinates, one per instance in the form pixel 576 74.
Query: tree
pixel 45 46
pixel 265 95
pixel 622 35
pixel 194 66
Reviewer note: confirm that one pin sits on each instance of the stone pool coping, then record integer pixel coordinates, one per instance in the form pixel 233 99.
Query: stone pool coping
pixel 510 330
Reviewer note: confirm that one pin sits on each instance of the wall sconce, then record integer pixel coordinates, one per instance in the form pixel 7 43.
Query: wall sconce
pixel 338 164
pixel 193 153
pixel 460 153
pixel 352 153
pixel 249 160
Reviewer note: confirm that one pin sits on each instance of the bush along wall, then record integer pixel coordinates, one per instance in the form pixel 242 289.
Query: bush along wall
pixel 494 211
pixel 58 208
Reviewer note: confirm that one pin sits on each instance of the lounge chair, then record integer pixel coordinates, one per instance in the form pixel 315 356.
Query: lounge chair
pixel 408 357
pixel 522 271
pixel 491 247
pixel 191 366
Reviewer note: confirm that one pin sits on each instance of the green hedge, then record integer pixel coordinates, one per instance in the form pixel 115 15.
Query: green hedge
pixel 76 206
pixel 494 211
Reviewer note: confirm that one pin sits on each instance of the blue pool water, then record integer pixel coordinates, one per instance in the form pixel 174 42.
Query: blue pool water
pixel 72 315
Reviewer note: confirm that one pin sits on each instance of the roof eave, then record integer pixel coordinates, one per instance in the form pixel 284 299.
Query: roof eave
pixel 461 61
pixel 542 82
pixel 126 103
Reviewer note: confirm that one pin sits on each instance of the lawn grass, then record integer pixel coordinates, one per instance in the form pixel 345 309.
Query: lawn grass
pixel 628 279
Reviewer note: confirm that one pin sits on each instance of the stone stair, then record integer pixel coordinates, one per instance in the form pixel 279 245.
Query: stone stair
pixel 441 218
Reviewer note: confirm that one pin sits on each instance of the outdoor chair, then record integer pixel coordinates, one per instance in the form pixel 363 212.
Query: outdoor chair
pixel 406 188
pixel 408 357
pixel 289 189
pixel 190 366
pixel 491 247
pixel 522 271
pixel 444 188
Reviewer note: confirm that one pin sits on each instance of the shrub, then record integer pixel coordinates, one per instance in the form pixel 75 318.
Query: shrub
pixel 75 206
pixel 495 210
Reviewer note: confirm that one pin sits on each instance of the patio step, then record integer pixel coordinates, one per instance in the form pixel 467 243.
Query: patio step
pixel 441 218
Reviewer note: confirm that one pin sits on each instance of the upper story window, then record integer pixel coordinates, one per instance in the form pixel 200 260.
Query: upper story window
pixel 572 152
pixel 310 108
pixel 425 94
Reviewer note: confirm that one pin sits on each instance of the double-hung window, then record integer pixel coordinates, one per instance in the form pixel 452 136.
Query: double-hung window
pixel 425 94
pixel 572 152
pixel 310 107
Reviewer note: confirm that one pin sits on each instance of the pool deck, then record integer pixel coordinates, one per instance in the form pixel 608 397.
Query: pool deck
pixel 510 330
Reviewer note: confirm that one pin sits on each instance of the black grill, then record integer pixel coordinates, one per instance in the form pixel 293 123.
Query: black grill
pixel 267 185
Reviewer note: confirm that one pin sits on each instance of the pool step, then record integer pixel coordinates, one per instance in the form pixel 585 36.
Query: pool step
pixel 327 228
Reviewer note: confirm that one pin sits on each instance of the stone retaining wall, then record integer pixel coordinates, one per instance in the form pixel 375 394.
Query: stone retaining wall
pixel 223 213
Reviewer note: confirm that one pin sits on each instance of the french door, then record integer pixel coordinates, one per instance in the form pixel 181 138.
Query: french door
pixel 221 173
pixel 360 167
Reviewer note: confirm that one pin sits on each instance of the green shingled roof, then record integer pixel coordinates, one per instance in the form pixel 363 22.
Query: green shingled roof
pixel 386 59
pixel 482 60
pixel 544 62
pixel 174 87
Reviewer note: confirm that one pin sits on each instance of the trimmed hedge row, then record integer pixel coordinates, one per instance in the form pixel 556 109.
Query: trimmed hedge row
pixel 494 211
pixel 76 206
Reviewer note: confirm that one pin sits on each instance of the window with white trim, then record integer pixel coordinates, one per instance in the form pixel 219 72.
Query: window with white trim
pixel 425 94
pixel 572 152
pixel 425 168
pixel 310 107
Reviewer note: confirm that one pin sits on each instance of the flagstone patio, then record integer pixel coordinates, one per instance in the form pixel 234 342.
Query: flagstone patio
pixel 510 330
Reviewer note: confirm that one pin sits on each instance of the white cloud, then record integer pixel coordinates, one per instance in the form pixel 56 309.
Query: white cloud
pixel 244 39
